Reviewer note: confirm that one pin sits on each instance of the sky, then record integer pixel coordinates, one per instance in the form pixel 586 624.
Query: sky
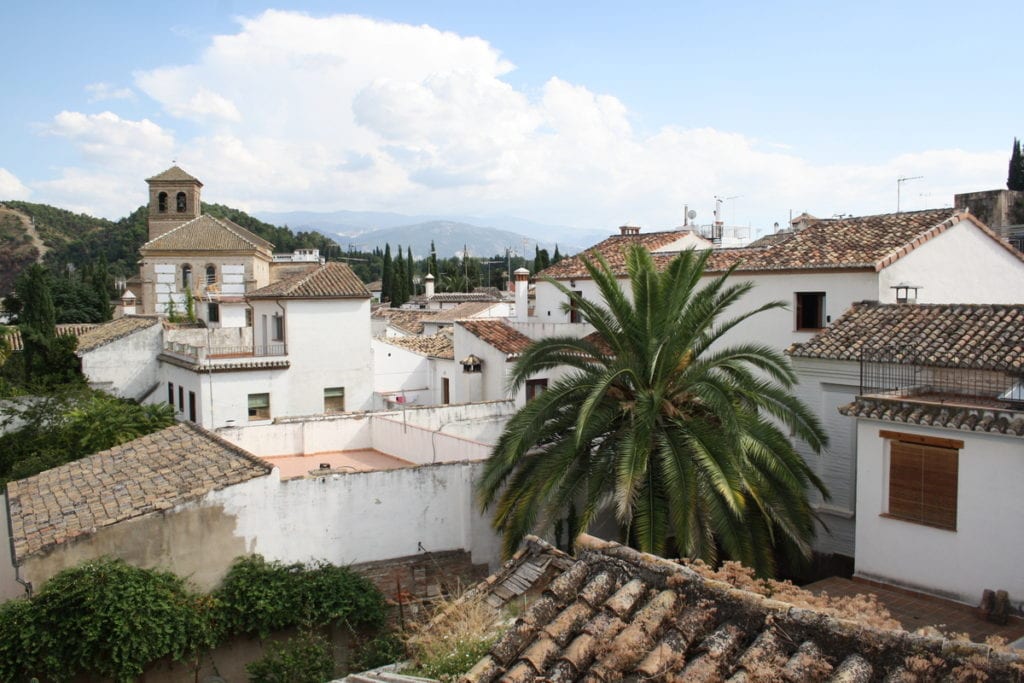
pixel 582 114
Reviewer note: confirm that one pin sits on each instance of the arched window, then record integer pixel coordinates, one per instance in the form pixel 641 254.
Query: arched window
pixel 181 202
pixel 161 202
pixel 186 276
pixel 211 274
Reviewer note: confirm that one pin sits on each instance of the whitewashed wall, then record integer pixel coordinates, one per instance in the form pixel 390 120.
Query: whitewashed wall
pixel 399 369
pixel 962 265
pixel 985 550
pixel 126 367
pixel 421 446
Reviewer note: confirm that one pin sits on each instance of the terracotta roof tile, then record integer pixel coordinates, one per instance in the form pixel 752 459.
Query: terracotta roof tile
pixel 461 297
pixel 155 472
pixel 866 243
pixel 78 329
pixel 959 417
pixel 404 319
pixel 173 174
pixel 973 336
pixel 666 622
pixel 470 309
pixel 103 334
pixel 206 233
pixel 332 280
pixel 438 345
pixel 500 335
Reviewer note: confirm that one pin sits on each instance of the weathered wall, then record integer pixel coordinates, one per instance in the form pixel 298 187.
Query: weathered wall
pixel 983 552
pixel 126 367
pixel 994 208
pixel 399 369
pixel 423 446
pixel 9 587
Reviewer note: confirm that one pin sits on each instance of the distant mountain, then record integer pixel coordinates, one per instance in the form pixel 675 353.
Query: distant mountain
pixel 449 238
pixel 356 224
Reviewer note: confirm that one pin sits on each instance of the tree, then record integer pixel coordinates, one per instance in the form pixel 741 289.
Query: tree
pixel 656 421
pixel 398 293
pixel 556 257
pixel 410 286
pixel 387 275
pixel 1015 178
pixel 433 260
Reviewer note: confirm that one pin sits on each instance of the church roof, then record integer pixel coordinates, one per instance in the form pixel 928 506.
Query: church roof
pixel 330 281
pixel 206 233
pixel 174 174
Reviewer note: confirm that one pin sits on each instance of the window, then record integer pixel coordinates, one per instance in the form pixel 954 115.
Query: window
pixel 277 331
pixel 923 478
pixel 192 406
pixel 248 317
pixel 259 406
pixel 574 307
pixel 535 387
pixel 170 393
pixel 182 203
pixel 211 274
pixel 810 310
pixel 161 202
pixel 213 313
pixel 446 391
pixel 334 400
pixel 186 276
pixel 181 398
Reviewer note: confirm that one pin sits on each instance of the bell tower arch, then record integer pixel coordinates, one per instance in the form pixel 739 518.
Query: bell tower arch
pixel 174 198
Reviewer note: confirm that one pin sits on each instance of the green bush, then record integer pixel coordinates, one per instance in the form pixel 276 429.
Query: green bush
pixel 259 597
pixel 303 659
pixel 386 648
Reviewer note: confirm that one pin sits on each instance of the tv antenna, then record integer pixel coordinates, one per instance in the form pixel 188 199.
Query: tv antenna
pixel 899 186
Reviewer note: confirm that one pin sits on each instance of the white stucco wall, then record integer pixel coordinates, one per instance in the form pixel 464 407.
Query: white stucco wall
pixel 399 369
pixel 351 518
pixel 985 550
pixel 126 367
pixel 393 436
pixel 961 265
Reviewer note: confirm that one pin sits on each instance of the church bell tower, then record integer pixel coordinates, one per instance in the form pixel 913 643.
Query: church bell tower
pixel 173 200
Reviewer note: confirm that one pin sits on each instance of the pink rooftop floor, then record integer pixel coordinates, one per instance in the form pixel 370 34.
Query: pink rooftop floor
pixel 366 460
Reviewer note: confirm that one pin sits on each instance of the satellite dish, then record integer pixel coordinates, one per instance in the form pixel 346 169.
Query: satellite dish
pixel 691 214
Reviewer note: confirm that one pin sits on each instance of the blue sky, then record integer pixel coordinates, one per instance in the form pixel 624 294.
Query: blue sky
pixel 580 114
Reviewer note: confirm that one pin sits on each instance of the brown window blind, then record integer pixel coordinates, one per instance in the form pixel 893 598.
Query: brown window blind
pixel 923 483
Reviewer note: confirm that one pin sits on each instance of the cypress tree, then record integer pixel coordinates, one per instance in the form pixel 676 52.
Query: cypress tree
pixel 557 257
pixel 387 276
pixel 398 282
pixel 1015 178
pixel 410 286
pixel 433 261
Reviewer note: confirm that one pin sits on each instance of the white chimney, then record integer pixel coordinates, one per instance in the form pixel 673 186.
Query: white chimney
pixel 522 294
pixel 128 302
pixel 428 285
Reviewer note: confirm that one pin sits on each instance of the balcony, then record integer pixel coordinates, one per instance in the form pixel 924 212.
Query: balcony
pixel 226 358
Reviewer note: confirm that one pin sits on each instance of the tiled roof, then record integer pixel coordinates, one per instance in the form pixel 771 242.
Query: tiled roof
pixel 438 345
pixel 173 174
pixel 206 233
pixel 498 334
pixel 332 280
pixel 404 319
pixel 964 418
pixel 467 310
pixel 973 336
pixel 863 243
pixel 614 251
pixel 77 329
pixel 152 473
pixel 619 615
pixel 460 297
pixel 111 331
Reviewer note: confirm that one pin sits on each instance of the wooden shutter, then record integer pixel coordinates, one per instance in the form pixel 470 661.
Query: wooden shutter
pixel 923 483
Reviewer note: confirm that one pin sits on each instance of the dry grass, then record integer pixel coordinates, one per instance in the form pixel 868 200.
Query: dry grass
pixel 458 633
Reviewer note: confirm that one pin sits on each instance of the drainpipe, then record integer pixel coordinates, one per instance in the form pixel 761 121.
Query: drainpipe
pixel 10 538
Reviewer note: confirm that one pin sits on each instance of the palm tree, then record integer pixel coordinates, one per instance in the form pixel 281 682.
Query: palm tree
pixel 679 435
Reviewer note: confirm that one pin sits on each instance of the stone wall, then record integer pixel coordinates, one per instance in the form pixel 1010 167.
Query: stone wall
pixel 994 208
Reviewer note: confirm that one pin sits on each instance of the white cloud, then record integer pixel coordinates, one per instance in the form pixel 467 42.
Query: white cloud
pixel 11 187
pixel 99 92
pixel 297 112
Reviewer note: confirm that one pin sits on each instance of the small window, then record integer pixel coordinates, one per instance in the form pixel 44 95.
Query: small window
pixel 182 202
pixel 161 202
pixel 923 479
pixel 211 274
pixel 334 400
pixel 248 317
pixel 186 276
pixel 535 387
pixel 170 393
pixel 213 313
pixel 810 310
pixel 277 329
pixel 192 406
pixel 259 406
pixel 181 398
pixel 575 316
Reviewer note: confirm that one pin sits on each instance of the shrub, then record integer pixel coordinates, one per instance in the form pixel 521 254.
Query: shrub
pixel 386 648
pixel 304 659
pixel 449 644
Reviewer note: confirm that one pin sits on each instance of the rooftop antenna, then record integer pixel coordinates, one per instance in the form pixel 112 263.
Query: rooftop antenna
pixel 899 186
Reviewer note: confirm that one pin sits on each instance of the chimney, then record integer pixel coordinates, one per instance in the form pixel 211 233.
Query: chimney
pixel 522 294
pixel 128 303
pixel 629 229
pixel 428 285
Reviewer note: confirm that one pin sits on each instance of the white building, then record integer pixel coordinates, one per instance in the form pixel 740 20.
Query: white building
pixel 932 459
pixel 414 370
pixel 307 352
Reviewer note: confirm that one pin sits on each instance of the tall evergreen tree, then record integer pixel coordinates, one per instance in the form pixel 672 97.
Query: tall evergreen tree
pixel 398 284
pixel 433 261
pixel 1015 177
pixel 557 256
pixel 387 275
pixel 410 286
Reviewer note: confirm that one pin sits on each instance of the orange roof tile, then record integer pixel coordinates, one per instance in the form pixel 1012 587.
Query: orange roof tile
pixel 332 280
pixel 498 334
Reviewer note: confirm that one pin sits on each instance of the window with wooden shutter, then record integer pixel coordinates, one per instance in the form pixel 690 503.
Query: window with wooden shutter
pixel 923 474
